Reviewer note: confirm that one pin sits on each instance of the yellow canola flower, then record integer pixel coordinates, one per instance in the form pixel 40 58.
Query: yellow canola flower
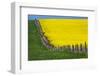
pixel 62 32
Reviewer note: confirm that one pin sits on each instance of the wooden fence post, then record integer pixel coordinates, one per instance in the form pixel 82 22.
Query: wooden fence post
pixel 81 48
pixel 73 48
pixel 86 47
pixel 76 48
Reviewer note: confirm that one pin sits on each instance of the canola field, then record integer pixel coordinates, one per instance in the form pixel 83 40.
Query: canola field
pixel 37 51
pixel 62 32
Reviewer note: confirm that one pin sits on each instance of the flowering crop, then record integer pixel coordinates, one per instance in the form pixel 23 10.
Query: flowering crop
pixel 62 32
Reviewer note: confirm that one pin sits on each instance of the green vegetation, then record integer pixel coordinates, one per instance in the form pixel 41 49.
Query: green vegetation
pixel 37 51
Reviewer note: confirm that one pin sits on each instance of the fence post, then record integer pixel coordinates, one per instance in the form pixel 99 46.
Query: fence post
pixel 76 48
pixel 73 48
pixel 86 48
pixel 69 47
pixel 81 48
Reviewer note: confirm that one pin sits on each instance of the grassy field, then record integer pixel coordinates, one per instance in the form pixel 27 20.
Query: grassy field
pixel 37 51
